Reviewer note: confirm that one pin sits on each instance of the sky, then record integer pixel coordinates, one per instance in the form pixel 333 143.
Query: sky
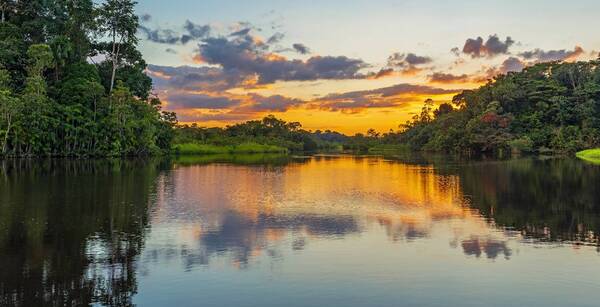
pixel 347 65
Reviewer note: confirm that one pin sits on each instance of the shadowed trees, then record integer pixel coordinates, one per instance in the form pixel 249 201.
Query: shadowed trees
pixel 549 107
pixel 72 82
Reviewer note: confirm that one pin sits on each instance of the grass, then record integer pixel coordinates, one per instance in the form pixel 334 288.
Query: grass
pixel 590 155
pixel 383 148
pixel 239 159
pixel 208 149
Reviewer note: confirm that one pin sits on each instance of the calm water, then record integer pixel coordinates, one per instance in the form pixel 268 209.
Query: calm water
pixel 310 231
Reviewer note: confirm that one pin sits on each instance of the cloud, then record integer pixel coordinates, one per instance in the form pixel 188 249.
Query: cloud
pixel 190 88
pixel 405 64
pixel 300 48
pixel 225 106
pixel 197 31
pixel 391 96
pixel 275 38
pixel 171 37
pixel 192 78
pixel 477 48
pixel 200 116
pixel 145 17
pixel 191 100
pixel 382 73
pixel 455 51
pixel 241 32
pixel 404 60
pixel 539 55
pixel 446 78
pixel 275 103
pixel 171 50
pixel 246 55
pixel 512 64
pixel 490 247
pixel 161 36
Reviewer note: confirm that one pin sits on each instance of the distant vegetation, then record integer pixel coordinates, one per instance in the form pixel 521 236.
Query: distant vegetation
pixel 269 135
pixel 547 108
pixel 272 135
pixel 208 149
pixel 72 82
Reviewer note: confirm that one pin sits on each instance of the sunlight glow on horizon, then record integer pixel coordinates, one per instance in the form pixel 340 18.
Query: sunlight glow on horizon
pixel 333 68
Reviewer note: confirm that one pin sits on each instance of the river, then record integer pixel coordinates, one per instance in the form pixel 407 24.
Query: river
pixel 269 230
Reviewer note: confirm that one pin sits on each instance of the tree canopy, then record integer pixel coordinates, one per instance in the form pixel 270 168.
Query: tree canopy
pixel 72 82
pixel 548 107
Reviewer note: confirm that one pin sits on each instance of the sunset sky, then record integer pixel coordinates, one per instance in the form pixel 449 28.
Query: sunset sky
pixel 347 65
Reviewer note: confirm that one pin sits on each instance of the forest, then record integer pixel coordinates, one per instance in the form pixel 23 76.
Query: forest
pixel 267 135
pixel 547 108
pixel 72 82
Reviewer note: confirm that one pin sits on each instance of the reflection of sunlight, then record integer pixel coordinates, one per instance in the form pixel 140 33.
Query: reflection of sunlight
pixel 243 210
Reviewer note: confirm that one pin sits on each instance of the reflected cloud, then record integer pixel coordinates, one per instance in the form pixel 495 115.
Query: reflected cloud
pixel 271 211
pixel 243 212
pixel 492 248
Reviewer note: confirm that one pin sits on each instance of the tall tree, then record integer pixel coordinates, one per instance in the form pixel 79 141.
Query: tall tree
pixel 6 6
pixel 37 113
pixel 120 23
pixel 9 108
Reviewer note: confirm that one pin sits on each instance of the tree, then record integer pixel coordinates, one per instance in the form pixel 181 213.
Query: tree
pixel 120 23
pixel 6 6
pixel 37 109
pixel 9 109
pixel 372 133
pixel 53 102
pixel 546 107
pixel 62 51
pixel 444 108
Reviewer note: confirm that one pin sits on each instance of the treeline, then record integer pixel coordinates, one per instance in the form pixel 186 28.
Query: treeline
pixel 268 131
pixel 72 82
pixel 275 135
pixel 546 108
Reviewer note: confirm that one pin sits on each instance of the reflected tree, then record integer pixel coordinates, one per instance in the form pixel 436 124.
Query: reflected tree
pixel 70 231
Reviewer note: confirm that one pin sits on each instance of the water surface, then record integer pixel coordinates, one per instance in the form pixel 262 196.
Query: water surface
pixel 269 230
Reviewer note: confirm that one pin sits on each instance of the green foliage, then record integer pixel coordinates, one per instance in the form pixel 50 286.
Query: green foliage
pixel 547 107
pixel 207 149
pixel 590 155
pixel 117 19
pixel 54 103
pixel 270 133
pixel 385 148
pixel 524 144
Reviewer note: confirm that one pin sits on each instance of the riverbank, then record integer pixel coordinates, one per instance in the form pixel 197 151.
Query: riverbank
pixel 385 148
pixel 209 149
pixel 590 155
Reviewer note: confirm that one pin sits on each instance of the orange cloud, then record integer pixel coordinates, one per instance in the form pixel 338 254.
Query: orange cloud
pixel 573 56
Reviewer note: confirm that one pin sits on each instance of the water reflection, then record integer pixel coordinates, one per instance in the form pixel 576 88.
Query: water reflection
pixel 241 212
pixel 492 248
pixel 70 230
pixel 82 232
